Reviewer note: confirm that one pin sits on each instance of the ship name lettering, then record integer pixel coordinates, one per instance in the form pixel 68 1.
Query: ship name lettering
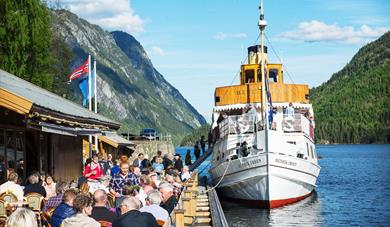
pixel 251 162
pixel 291 163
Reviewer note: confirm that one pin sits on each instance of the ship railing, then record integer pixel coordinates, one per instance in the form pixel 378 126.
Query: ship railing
pixel 296 123
pixel 237 124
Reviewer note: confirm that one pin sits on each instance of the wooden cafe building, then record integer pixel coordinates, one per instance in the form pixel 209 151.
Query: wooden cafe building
pixel 42 131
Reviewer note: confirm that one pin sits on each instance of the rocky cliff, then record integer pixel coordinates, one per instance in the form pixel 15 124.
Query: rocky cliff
pixel 130 89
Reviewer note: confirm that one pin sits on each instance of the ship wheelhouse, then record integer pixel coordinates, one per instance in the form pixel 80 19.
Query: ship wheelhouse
pixel 249 89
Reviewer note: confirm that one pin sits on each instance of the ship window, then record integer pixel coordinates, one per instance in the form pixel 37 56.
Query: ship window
pixel 249 76
pixel 311 151
pixel 217 99
pixel 307 146
pixel 259 75
pixel 273 75
pixel 314 153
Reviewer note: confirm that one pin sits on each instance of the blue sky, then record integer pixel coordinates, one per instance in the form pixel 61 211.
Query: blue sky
pixel 199 45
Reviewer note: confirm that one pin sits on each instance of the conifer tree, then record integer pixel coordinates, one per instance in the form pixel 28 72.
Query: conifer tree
pixel 25 41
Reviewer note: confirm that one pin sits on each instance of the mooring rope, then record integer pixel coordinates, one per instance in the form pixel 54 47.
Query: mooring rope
pixel 220 180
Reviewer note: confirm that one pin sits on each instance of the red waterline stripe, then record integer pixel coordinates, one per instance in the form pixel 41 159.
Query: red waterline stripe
pixel 283 202
pixel 273 203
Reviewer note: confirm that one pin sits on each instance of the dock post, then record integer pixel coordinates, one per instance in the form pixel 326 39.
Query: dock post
pixel 186 206
pixel 187 194
pixel 193 203
pixel 179 218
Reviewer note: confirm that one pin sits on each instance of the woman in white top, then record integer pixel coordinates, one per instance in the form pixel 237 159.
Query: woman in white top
pixel 50 186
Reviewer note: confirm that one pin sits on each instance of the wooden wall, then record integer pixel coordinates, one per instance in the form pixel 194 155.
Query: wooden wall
pixel 67 157
pixel 251 93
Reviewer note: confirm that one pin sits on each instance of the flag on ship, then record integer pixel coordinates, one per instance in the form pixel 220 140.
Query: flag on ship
pixel 269 99
pixel 79 71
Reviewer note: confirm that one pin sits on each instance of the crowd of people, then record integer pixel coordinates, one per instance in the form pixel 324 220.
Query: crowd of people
pixel 142 192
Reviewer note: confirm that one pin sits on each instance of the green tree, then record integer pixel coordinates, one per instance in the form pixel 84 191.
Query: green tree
pixel 39 57
pixel 25 41
pixel 14 38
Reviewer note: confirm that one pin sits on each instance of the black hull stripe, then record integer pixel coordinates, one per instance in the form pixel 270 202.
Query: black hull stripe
pixel 270 165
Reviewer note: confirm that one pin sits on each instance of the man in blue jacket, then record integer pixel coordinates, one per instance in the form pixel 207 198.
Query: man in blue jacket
pixel 65 209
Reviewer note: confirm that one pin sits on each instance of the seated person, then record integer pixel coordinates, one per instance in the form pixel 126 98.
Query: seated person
pixel 185 173
pixel 22 217
pixel 65 209
pixel 50 186
pixel 168 198
pixel 83 205
pixel 158 165
pixel 100 211
pixel 128 190
pixel 131 216
pixel 12 186
pixel 54 201
pixel 34 185
pixel 244 149
pixel 153 201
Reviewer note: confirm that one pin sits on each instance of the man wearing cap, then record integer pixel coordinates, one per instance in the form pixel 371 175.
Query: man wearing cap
pixel 178 162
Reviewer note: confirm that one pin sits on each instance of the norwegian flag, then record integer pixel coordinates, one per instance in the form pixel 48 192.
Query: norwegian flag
pixel 79 71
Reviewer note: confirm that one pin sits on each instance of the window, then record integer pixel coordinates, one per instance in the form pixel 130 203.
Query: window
pixel 314 153
pixel 249 76
pixel 311 151
pixel 307 147
pixel 273 75
pixel 259 75
pixel 217 99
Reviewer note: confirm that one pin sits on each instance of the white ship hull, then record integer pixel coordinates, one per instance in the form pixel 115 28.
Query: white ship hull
pixel 269 179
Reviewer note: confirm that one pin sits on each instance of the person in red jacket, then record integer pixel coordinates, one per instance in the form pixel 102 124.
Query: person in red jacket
pixel 93 171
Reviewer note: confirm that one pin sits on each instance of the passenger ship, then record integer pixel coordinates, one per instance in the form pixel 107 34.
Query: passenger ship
pixel 261 154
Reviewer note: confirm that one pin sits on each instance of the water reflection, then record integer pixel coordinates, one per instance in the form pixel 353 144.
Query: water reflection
pixel 304 213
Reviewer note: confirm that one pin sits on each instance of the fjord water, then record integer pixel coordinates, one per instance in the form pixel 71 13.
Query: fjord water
pixel 353 189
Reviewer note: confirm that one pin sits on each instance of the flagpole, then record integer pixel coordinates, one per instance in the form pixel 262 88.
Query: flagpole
pixel 94 84
pixel 95 99
pixel 89 100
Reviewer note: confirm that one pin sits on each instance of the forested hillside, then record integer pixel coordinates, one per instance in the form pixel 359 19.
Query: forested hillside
pixel 354 105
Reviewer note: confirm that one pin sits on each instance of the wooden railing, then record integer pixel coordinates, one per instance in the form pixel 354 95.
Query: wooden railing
pixel 185 210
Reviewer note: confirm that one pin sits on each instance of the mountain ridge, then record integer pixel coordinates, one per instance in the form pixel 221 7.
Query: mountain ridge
pixel 133 92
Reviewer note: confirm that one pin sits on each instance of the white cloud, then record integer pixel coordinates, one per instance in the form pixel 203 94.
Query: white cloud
pixel 109 14
pixel 317 31
pixel 223 36
pixel 157 51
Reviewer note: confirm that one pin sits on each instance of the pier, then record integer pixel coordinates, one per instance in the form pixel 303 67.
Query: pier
pixel 198 206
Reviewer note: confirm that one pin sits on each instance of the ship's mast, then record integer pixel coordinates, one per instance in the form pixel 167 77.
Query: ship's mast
pixel 264 106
